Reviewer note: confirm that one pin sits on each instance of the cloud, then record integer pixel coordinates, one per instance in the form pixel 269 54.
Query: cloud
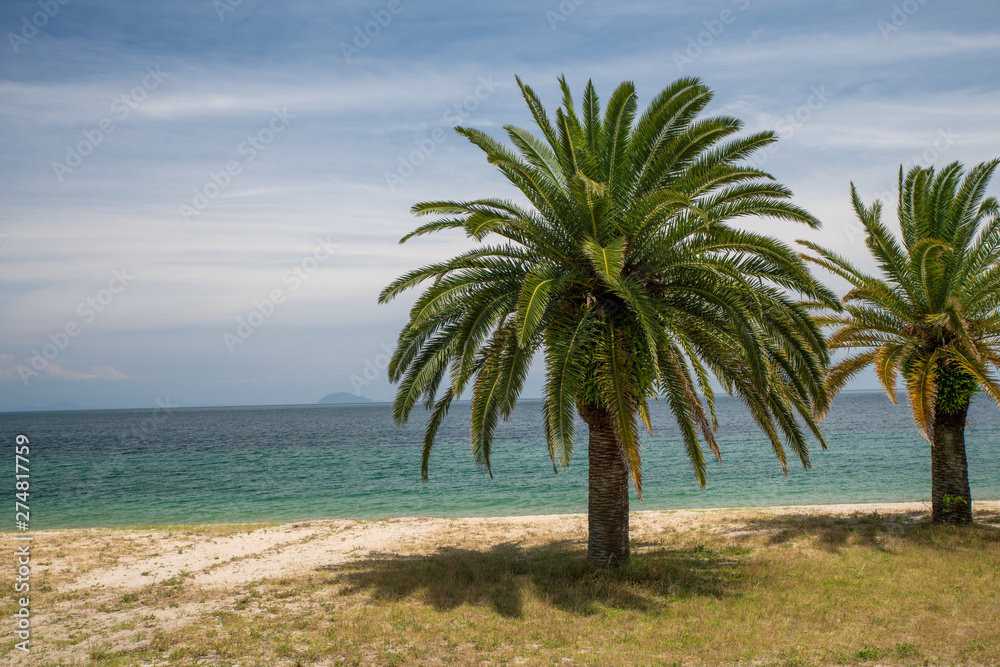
pixel 9 371
pixel 8 367
pixel 96 373
pixel 841 52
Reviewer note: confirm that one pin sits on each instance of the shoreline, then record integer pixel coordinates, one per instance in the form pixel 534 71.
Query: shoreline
pixel 911 506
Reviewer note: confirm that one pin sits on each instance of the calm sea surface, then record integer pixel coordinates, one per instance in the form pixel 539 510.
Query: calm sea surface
pixel 207 465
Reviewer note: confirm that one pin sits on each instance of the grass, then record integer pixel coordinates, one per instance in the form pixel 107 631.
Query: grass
pixel 750 588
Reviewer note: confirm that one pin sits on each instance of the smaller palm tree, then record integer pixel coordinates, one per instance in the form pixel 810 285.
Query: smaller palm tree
pixel 933 317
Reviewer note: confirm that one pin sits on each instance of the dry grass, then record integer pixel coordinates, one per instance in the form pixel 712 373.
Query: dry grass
pixel 713 587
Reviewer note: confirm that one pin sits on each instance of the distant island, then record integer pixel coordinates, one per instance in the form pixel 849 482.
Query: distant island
pixel 341 397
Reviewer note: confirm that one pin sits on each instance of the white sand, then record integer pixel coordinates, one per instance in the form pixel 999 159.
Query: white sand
pixel 264 553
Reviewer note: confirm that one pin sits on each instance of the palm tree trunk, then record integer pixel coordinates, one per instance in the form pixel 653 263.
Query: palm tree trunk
pixel 607 504
pixel 951 499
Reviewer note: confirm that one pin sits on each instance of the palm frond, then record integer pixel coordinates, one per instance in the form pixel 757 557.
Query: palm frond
pixel 622 267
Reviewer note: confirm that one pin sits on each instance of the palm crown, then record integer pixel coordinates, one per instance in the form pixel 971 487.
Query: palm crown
pixel 933 316
pixel 623 270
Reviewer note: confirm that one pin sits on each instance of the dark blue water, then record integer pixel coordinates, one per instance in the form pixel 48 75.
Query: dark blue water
pixel 207 465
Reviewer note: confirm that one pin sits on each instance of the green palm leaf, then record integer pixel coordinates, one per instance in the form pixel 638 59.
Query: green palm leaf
pixel 625 269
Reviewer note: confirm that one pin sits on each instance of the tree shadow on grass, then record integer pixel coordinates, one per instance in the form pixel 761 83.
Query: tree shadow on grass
pixel 556 573
pixel 834 531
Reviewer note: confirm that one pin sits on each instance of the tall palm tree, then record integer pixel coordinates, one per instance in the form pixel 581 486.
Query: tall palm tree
pixel 623 271
pixel 932 316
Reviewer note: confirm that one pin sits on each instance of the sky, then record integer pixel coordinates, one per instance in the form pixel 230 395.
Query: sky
pixel 202 199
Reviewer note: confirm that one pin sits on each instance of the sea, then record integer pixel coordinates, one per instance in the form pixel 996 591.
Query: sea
pixel 168 466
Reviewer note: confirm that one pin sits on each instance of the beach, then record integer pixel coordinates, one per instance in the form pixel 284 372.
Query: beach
pixel 115 594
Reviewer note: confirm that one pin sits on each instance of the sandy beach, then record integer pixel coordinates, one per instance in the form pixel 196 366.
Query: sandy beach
pixel 86 579
pixel 242 556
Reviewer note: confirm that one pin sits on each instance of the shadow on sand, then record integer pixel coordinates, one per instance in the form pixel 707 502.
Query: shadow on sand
pixel 501 577
pixel 556 573
pixel 873 530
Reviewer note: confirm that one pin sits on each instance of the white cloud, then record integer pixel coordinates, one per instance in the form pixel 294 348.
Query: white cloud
pixel 96 373
pixel 9 371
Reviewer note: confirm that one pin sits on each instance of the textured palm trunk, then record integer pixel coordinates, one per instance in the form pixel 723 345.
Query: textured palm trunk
pixel 607 504
pixel 951 500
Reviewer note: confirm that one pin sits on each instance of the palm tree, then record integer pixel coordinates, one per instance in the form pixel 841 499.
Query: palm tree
pixel 933 316
pixel 622 270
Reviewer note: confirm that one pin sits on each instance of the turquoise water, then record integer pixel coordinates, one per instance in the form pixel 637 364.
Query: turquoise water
pixel 207 465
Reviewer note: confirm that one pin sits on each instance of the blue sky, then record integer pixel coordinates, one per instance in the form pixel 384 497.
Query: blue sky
pixel 170 169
